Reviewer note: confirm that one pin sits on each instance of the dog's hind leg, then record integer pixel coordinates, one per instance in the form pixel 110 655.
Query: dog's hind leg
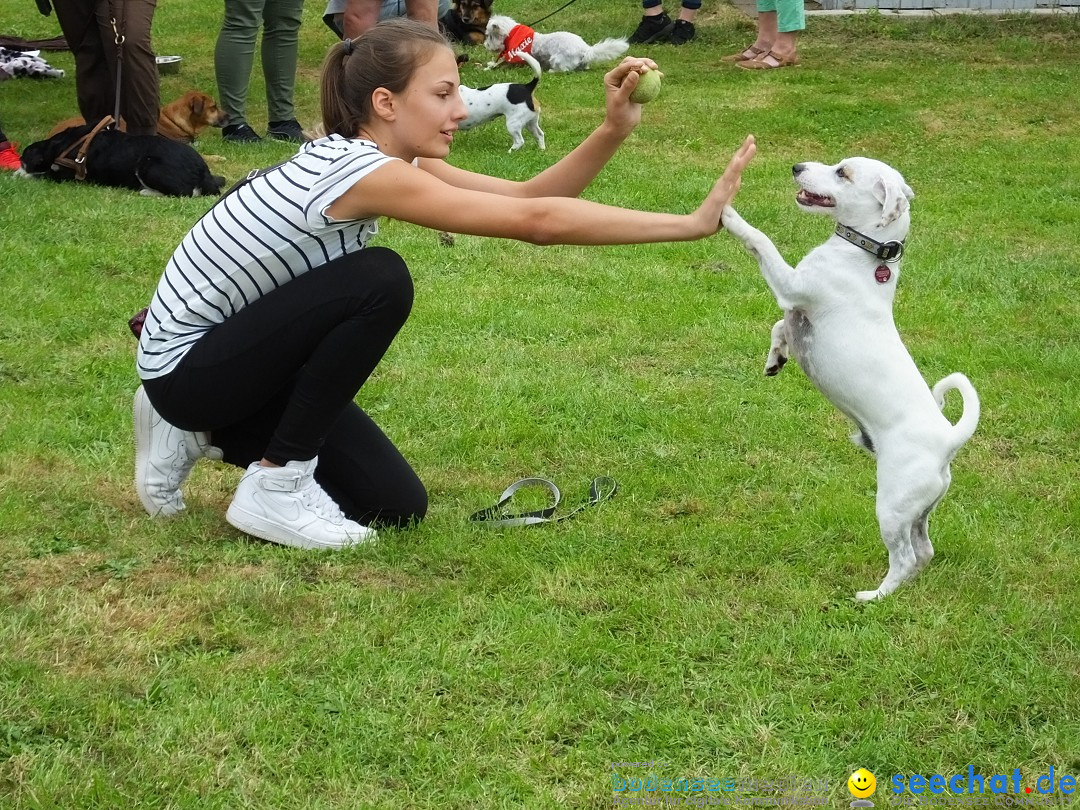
pixel 920 534
pixel 896 531
pixel 778 349
pixel 534 128
pixel 519 141
pixel 920 541
pixel 907 492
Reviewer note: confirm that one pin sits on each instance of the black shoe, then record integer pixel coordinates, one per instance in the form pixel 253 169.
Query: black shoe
pixel 653 28
pixel 240 133
pixel 682 33
pixel 285 131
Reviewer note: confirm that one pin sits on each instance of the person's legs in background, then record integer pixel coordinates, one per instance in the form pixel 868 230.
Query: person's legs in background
pixel 684 31
pixel 140 98
pixel 778 25
pixel 766 25
pixel 790 20
pixel 79 22
pixel 234 56
pixel 280 44
pixel 655 25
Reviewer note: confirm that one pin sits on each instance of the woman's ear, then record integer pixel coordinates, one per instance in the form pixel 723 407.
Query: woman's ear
pixel 382 103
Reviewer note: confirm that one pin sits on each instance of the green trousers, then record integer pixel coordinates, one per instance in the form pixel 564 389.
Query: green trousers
pixel 790 14
pixel 234 55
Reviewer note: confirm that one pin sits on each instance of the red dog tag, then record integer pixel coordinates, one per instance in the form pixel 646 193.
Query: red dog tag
pixel 882 274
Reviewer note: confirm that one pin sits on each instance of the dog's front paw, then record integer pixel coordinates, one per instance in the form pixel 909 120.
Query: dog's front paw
pixel 730 219
pixel 867 596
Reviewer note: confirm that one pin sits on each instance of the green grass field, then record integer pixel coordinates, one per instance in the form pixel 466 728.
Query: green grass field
pixel 703 619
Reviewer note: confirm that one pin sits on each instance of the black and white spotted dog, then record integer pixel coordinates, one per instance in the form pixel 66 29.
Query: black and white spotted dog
pixel 510 99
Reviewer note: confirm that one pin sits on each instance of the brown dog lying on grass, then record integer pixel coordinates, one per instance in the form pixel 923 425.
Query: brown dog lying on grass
pixel 180 120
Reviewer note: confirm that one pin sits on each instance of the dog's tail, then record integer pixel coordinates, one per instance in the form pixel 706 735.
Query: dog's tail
pixel 607 49
pixel 538 71
pixel 965 427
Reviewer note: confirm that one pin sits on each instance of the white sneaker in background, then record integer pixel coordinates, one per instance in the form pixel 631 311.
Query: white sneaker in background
pixel 164 457
pixel 286 505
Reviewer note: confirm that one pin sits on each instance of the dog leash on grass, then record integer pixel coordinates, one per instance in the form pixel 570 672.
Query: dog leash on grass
pixel 602 488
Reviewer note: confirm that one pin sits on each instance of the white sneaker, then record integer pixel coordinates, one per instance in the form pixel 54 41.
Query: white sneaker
pixel 285 505
pixel 164 456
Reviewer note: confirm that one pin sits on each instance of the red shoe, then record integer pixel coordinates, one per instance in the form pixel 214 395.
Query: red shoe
pixel 9 158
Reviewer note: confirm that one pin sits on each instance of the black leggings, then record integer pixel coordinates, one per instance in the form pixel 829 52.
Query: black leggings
pixel 277 380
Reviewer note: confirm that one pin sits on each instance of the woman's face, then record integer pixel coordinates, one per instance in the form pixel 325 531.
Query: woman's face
pixel 429 109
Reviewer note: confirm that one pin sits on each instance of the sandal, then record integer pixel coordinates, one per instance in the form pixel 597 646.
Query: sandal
pixel 744 56
pixel 769 61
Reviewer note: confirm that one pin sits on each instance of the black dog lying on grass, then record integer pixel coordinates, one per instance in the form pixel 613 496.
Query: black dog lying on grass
pixel 149 164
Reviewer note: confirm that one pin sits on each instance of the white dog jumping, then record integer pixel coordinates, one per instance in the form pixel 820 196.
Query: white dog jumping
pixel 838 322
pixel 557 52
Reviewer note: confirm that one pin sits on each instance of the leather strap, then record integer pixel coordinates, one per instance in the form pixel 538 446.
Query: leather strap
pixel 81 146
pixel 243 181
pixel 602 488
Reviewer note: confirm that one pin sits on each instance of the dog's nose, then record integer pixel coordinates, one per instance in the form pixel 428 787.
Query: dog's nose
pixel 798 169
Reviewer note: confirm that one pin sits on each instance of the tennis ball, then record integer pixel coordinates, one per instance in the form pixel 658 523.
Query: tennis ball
pixel 648 87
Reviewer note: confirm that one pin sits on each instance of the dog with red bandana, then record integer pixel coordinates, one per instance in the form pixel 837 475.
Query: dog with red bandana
pixel 558 52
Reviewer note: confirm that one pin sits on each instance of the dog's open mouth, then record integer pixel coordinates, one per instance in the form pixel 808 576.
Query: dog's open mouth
pixel 805 197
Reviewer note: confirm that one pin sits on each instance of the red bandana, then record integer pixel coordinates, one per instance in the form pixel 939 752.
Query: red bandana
pixel 519 40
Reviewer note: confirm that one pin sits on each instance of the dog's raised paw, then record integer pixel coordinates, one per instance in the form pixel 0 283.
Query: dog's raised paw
pixel 773 369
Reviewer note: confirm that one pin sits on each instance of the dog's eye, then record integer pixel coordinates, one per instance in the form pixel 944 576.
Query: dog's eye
pixel 841 172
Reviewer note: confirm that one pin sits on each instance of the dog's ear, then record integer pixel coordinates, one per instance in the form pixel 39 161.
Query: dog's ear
pixel 198 103
pixel 894 195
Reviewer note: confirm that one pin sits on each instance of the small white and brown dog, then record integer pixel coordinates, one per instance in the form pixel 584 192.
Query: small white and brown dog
pixel 838 322
pixel 558 52
pixel 514 101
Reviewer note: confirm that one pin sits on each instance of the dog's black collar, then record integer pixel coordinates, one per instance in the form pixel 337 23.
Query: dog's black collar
pixel 890 251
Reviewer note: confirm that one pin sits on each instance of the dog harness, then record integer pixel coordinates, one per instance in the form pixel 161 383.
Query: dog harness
pixel 78 163
pixel 518 41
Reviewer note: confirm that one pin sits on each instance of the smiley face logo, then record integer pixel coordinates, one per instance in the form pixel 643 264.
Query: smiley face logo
pixel 862 784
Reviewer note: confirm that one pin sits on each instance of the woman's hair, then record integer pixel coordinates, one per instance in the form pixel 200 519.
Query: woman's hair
pixel 386 55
